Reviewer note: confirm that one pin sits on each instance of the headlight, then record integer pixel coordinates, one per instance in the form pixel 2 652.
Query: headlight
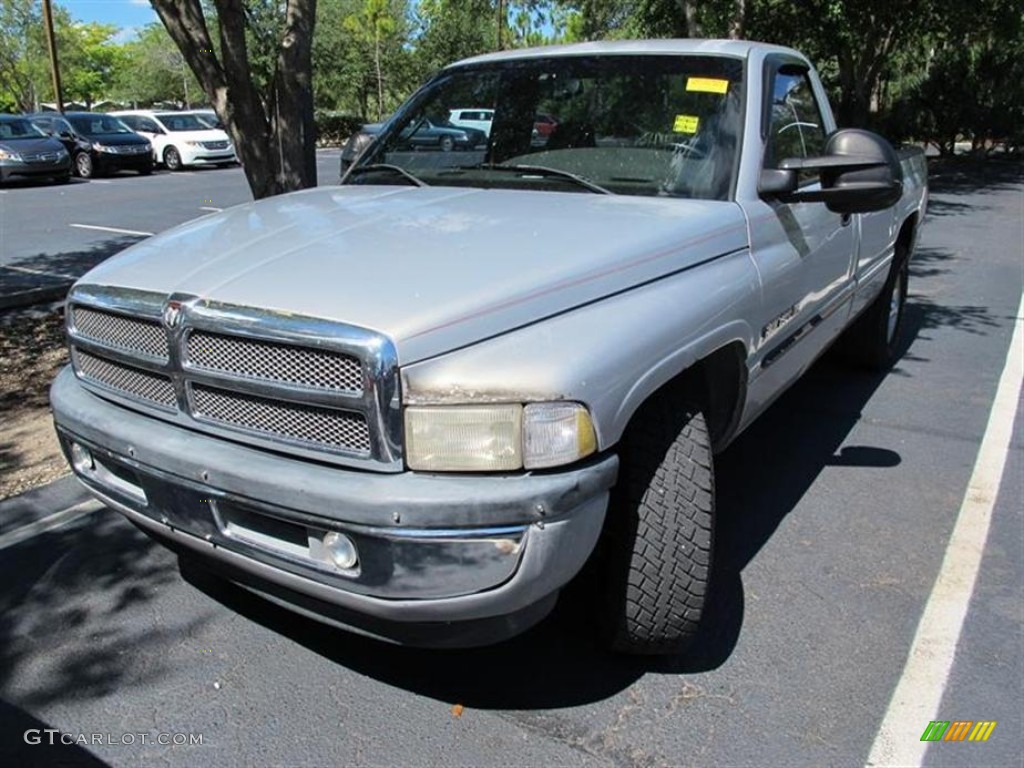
pixel 8 155
pixel 194 143
pixel 62 153
pixel 102 148
pixel 491 438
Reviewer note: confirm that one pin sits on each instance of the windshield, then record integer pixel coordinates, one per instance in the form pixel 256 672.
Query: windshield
pixel 19 129
pixel 179 123
pixel 98 125
pixel 638 125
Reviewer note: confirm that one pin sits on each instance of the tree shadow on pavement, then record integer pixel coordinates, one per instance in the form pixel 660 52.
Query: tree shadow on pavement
pixel 41 268
pixel 66 604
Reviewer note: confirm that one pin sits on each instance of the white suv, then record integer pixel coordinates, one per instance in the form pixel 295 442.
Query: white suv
pixel 181 138
pixel 472 118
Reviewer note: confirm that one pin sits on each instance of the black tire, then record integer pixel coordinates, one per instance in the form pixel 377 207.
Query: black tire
pixel 660 534
pixel 172 159
pixel 446 143
pixel 84 167
pixel 874 338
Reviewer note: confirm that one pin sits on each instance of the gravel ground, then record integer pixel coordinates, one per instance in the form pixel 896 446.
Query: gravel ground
pixel 32 350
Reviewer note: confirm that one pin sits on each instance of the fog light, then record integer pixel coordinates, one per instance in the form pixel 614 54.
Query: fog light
pixel 81 458
pixel 341 550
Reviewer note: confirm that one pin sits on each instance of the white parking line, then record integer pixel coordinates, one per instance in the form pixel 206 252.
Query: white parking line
pixel 113 229
pixel 918 694
pixel 210 208
pixel 99 181
pixel 39 272
pixel 48 523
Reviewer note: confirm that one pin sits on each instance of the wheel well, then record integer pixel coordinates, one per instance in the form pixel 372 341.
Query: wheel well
pixel 905 239
pixel 718 385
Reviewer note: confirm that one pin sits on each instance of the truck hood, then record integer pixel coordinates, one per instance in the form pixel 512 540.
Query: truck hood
pixel 433 268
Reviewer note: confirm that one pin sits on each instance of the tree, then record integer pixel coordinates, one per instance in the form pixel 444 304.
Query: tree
pixel 450 30
pixel 155 71
pixel 258 77
pixel 90 62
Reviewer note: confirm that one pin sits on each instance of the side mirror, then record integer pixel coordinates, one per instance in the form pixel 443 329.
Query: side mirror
pixel 860 173
pixel 64 134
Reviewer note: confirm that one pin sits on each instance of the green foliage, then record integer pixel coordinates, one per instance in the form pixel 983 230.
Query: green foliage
pixel 334 128
pixel 155 71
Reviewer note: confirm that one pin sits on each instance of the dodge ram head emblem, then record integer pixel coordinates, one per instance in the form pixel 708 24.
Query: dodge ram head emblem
pixel 172 312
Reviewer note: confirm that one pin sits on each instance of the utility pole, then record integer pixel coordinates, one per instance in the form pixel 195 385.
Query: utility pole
pixel 51 43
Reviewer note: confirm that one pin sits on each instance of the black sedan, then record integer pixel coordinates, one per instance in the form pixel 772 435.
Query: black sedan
pixel 99 144
pixel 25 151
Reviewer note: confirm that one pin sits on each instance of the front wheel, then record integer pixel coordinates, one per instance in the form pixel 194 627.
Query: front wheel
pixel 658 544
pixel 172 159
pixel 447 143
pixel 83 165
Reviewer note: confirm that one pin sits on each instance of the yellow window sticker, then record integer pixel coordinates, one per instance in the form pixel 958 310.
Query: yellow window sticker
pixel 685 124
pixel 707 85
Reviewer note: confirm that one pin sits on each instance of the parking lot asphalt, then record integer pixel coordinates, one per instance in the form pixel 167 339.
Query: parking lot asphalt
pixel 835 513
pixel 52 234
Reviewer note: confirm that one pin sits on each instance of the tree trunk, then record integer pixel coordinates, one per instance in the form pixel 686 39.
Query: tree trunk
pixel 293 125
pixel 689 11
pixel 273 133
pixel 738 20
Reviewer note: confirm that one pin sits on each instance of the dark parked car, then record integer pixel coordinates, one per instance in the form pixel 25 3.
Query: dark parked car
pixel 423 135
pixel 99 144
pixel 28 152
pixel 435 134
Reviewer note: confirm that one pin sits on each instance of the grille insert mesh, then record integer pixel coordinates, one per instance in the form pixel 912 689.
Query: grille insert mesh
pixel 320 427
pixel 284 363
pixel 131 381
pixel 139 336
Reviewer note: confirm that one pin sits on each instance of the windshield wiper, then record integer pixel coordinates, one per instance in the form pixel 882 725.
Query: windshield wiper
pixel 542 170
pixel 388 167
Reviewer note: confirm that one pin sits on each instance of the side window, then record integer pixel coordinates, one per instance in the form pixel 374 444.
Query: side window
pixel 129 121
pixel 796 127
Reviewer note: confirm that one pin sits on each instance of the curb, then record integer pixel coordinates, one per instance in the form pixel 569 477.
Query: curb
pixel 31 297
pixel 63 495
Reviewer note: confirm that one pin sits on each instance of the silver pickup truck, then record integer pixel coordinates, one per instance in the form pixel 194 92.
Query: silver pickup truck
pixel 416 404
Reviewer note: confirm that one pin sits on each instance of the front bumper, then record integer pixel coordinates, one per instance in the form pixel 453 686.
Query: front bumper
pixel 444 559
pixel 109 161
pixel 29 170
pixel 202 156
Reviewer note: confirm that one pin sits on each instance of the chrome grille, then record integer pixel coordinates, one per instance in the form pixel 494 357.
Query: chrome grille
pixel 321 427
pixel 215 144
pixel 303 366
pixel 130 381
pixel 40 157
pixel 141 336
pixel 313 387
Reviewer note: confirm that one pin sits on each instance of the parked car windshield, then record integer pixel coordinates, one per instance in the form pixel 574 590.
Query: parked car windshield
pixel 19 129
pixel 176 123
pixel 627 124
pixel 98 125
